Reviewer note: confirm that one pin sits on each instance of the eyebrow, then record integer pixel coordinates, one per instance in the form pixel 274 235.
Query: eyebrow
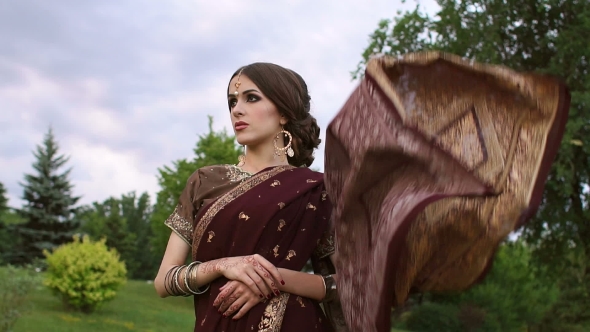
pixel 231 95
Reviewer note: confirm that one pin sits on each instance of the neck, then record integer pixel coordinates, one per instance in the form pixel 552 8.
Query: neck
pixel 262 156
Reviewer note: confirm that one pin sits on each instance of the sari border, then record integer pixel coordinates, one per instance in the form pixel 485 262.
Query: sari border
pixel 272 318
pixel 230 196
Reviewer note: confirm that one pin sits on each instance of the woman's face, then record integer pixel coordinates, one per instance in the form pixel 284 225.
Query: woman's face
pixel 255 118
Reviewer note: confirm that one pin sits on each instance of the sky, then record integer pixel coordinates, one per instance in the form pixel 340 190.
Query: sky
pixel 127 85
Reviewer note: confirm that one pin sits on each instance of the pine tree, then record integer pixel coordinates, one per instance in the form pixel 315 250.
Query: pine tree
pixel 3 199
pixel 49 203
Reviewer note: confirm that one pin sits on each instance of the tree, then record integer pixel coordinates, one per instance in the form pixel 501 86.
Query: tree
pixel 214 148
pixel 125 223
pixel 516 295
pixel 3 199
pixel 9 221
pixel 49 203
pixel 545 36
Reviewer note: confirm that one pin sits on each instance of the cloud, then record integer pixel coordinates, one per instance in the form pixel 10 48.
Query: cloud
pixel 127 85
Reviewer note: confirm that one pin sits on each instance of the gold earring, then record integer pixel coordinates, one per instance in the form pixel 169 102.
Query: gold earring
pixel 287 150
pixel 242 157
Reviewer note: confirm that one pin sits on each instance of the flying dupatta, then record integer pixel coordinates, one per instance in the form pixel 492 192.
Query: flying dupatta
pixel 430 164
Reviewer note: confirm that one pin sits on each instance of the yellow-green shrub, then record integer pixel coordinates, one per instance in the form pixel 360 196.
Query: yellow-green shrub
pixel 84 274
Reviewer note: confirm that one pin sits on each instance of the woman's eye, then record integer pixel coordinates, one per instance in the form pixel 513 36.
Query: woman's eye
pixel 252 98
pixel 232 103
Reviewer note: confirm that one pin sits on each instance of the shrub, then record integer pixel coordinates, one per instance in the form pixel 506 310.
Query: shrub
pixel 15 284
pixel 84 274
pixel 434 317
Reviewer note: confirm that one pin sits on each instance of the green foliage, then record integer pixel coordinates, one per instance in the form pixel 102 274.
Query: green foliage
pixel 545 36
pixel 8 234
pixel 434 317
pixel 49 204
pixel 84 274
pixel 214 148
pixel 3 199
pixel 515 294
pixel 15 285
pixel 515 291
pixel 124 222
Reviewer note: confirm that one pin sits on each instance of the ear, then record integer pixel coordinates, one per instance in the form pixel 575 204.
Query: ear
pixel 283 120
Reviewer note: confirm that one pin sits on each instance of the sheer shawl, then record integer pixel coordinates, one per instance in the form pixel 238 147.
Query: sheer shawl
pixel 430 164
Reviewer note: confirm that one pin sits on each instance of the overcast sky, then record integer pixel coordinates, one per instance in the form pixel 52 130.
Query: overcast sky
pixel 127 85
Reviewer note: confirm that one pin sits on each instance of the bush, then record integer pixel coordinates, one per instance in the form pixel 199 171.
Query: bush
pixel 434 317
pixel 84 274
pixel 15 284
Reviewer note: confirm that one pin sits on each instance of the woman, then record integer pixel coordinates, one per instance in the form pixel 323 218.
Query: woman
pixel 251 228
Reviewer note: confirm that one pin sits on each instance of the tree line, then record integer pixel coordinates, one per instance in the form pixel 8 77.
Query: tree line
pixel 131 223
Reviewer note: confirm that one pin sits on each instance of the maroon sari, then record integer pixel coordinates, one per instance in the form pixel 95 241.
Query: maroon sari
pixel 281 213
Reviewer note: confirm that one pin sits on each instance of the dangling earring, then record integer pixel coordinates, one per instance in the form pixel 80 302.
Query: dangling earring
pixel 242 157
pixel 280 152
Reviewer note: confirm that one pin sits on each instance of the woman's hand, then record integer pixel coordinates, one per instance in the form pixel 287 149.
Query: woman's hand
pixel 236 296
pixel 253 271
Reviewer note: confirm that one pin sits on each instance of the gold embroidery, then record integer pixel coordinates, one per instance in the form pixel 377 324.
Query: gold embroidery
pixel 243 216
pixel 291 254
pixel 204 319
pixel 276 250
pixel 300 300
pixel 235 173
pixel 310 206
pixel 282 224
pixel 311 181
pixel 272 318
pixel 180 226
pixel 211 235
pixel 324 195
pixel 238 191
pixel 281 205
pixel 275 183
pixel 326 246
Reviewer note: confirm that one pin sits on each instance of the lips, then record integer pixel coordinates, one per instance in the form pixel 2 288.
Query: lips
pixel 241 125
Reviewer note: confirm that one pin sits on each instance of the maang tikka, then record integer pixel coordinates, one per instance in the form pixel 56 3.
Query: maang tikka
pixel 238 83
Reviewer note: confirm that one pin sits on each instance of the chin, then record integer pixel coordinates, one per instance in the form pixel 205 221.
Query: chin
pixel 243 140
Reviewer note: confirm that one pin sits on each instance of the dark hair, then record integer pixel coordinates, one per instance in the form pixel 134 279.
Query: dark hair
pixel 288 92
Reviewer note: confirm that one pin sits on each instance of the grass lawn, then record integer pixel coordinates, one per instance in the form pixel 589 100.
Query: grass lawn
pixel 136 308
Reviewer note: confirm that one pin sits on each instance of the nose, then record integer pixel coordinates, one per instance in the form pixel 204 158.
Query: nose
pixel 238 110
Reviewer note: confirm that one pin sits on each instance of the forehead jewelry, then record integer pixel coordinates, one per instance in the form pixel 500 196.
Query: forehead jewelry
pixel 238 83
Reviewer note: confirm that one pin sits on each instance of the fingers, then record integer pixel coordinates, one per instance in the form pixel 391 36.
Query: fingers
pixel 229 302
pixel 256 283
pixel 227 291
pixel 269 272
pixel 234 306
pixel 246 307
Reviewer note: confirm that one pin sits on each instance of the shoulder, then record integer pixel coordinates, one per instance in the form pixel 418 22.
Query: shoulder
pixel 210 172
